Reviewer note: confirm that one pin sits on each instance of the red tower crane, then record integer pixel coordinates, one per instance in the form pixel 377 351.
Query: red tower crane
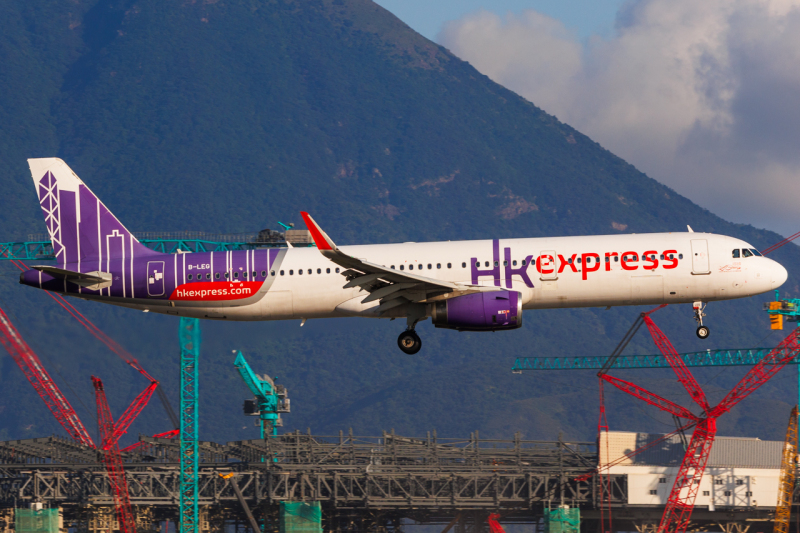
pixel 113 460
pixel 681 500
pixel 42 383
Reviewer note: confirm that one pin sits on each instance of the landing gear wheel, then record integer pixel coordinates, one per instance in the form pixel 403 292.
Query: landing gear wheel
pixel 409 342
pixel 702 332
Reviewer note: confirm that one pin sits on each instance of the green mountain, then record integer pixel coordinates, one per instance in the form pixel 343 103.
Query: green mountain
pixel 228 115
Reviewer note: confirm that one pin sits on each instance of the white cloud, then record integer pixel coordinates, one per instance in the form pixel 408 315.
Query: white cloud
pixel 703 96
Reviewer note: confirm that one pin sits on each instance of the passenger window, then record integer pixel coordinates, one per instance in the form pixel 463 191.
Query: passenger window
pixel 411 267
pixel 616 259
pixel 337 270
pixel 449 265
pixel 246 275
pixel 662 257
pixel 402 267
pixel 327 270
pixel 208 276
pixel 487 263
pixel 299 272
pixel 392 267
pixel 514 262
pixel 319 271
pixel 505 263
pixel 756 252
pixel 291 272
pixel 579 260
pixel 235 275
pixel 281 272
pixel 438 265
pixel 680 256
pixel 524 262
pixel 746 253
pixel 736 253
pixel 569 260
pixel 190 277
pixel 227 275
pixel 495 264
pixel 430 266
pixel 216 276
pixel 464 265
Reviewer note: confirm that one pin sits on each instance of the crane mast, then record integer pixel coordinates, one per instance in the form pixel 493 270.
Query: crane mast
pixel 786 483
pixel 113 460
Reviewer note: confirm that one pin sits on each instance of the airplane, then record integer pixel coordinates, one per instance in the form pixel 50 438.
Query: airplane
pixel 482 285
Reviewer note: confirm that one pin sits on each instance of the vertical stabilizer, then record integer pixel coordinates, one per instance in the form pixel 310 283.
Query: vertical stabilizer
pixel 81 228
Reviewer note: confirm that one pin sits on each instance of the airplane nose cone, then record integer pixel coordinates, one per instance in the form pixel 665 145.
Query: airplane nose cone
pixel 779 275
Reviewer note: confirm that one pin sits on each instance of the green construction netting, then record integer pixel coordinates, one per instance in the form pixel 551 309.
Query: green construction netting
pixel 300 517
pixel 562 520
pixel 30 521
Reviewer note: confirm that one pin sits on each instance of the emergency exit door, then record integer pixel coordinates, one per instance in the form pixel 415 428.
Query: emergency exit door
pixel 547 265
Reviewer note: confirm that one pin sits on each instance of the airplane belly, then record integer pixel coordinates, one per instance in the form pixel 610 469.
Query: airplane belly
pixel 277 305
pixel 647 289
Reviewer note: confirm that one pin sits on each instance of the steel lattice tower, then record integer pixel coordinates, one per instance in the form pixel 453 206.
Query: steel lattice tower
pixel 190 348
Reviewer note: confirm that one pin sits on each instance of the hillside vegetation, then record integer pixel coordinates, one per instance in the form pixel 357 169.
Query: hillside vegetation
pixel 228 115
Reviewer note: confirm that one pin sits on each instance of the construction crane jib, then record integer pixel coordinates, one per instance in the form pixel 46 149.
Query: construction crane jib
pixel 270 399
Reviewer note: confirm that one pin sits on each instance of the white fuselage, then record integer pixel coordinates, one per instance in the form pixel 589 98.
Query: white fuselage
pixel 589 271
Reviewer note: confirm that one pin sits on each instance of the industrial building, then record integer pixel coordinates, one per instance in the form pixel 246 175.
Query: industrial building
pixel 742 473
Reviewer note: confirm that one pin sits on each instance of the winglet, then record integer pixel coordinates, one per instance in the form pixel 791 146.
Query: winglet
pixel 321 238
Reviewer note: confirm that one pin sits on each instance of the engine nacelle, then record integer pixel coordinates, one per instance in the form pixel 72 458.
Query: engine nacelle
pixel 482 311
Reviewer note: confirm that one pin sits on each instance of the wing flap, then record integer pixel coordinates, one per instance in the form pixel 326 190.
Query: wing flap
pixel 392 287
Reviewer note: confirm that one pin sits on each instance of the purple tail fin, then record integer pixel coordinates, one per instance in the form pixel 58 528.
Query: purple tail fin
pixel 81 228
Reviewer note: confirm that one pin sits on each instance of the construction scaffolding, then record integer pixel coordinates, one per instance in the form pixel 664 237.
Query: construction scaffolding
pixel 362 484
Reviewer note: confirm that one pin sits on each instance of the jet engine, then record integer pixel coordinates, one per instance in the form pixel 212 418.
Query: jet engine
pixel 482 311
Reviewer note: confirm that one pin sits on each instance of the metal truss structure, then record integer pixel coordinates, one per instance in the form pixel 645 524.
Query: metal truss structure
pixel 189 335
pixel 363 483
pixel 39 247
pixel 692 359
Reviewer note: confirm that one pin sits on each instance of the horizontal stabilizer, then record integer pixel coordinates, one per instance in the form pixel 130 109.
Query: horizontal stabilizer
pixel 91 280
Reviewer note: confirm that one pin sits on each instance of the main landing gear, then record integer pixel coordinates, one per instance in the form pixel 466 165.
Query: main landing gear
pixel 409 341
pixel 702 331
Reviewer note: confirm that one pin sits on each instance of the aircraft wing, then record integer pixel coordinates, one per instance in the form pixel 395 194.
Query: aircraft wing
pixel 391 287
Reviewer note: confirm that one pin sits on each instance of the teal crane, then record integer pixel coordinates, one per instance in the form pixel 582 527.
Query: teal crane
pixel 189 334
pixel 270 399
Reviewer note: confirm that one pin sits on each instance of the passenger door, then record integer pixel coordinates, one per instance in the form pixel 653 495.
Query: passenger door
pixel 155 278
pixel 700 262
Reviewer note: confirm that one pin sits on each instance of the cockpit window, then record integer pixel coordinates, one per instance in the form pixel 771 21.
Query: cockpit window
pixel 746 253
pixel 736 254
pixel 756 252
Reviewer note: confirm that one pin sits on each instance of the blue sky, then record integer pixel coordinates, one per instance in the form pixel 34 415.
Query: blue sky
pixel 584 17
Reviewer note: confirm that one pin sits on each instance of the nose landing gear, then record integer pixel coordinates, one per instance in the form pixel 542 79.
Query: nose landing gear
pixel 702 331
